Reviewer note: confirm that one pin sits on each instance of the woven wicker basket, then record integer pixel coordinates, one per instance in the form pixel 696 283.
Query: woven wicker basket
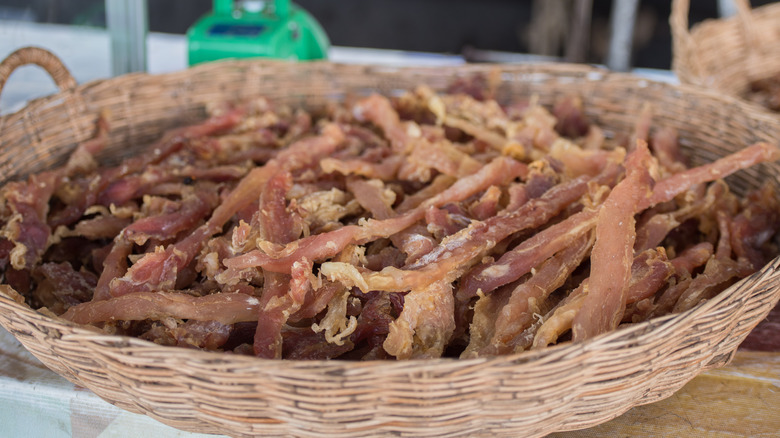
pixel 561 388
pixel 726 54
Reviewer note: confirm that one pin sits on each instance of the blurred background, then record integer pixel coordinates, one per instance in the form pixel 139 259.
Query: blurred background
pixel 455 30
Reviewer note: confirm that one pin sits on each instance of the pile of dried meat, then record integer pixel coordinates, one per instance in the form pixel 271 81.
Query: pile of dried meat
pixel 423 226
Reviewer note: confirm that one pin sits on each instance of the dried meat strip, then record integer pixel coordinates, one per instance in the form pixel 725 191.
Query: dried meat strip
pixel 383 170
pixel 524 302
pixel 226 308
pixel 652 230
pixel 458 252
pixel 529 253
pixel 379 111
pixel 282 294
pixel 326 245
pixel 667 188
pixel 666 148
pixel 649 272
pixel 752 229
pixel 193 209
pixel 27 228
pixel 425 324
pixel 60 286
pixel 612 255
pixel 92 189
pixel 279 301
pixel 156 271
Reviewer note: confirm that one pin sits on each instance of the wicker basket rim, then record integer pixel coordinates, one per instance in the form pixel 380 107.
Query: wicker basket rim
pixel 591 73
pixel 666 321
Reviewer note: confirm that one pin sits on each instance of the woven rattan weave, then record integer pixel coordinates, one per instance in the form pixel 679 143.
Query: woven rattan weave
pixel 726 55
pixel 566 387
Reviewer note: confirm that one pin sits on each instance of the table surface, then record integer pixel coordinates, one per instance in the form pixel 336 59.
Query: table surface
pixel 741 399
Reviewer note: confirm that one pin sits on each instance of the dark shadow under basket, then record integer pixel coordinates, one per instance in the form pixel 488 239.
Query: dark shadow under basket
pixel 561 388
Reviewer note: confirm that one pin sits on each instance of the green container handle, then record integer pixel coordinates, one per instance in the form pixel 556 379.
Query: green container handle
pixel 226 7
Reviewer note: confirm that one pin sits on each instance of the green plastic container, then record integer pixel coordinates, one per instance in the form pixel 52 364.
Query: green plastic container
pixel 277 29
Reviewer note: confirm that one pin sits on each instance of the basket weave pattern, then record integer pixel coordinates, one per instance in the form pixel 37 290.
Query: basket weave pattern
pixel 726 54
pixel 565 387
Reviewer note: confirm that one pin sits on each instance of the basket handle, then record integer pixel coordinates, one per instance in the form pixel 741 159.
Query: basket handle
pixel 681 8
pixel 42 58
pixel 745 14
pixel 678 21
pixel 684 45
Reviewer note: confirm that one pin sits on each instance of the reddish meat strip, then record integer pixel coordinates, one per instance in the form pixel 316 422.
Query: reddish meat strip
pixel 692 258
pixel 682 268
pixel 384 170
pixel 612 255
pixel 666 189
pixel 226 308
pixel 136 185
pixel 666 148
pixel 642 125
pixel 192 210
pixel 282 294
pixel 60 286
pixel 524 301
pixel 283 297
pixel 378 311
pixel 519 261
pixel 276 222
pixel 719 272
pixel 457 252
pixel 570 115
pixel 156 271
pixel 161 227
pixel 304 344
pixel 652 230
pixel 28 201
pixel 649 272
pixel 752 229
pixel 373 196
pixel 207 335
pixel 379 111
pixel 114 266
pixel 326 245
pixel 717 276
pixel 528 254
pixel 484 120
pixel 435 188
pixel 487 205
pixel 482 322
pixel 443 157
pixel 100 227
pixel 560 319
pixel 425 324
pixel 577 161
pixel 170 143
pixel 27 227
pixel 316 301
